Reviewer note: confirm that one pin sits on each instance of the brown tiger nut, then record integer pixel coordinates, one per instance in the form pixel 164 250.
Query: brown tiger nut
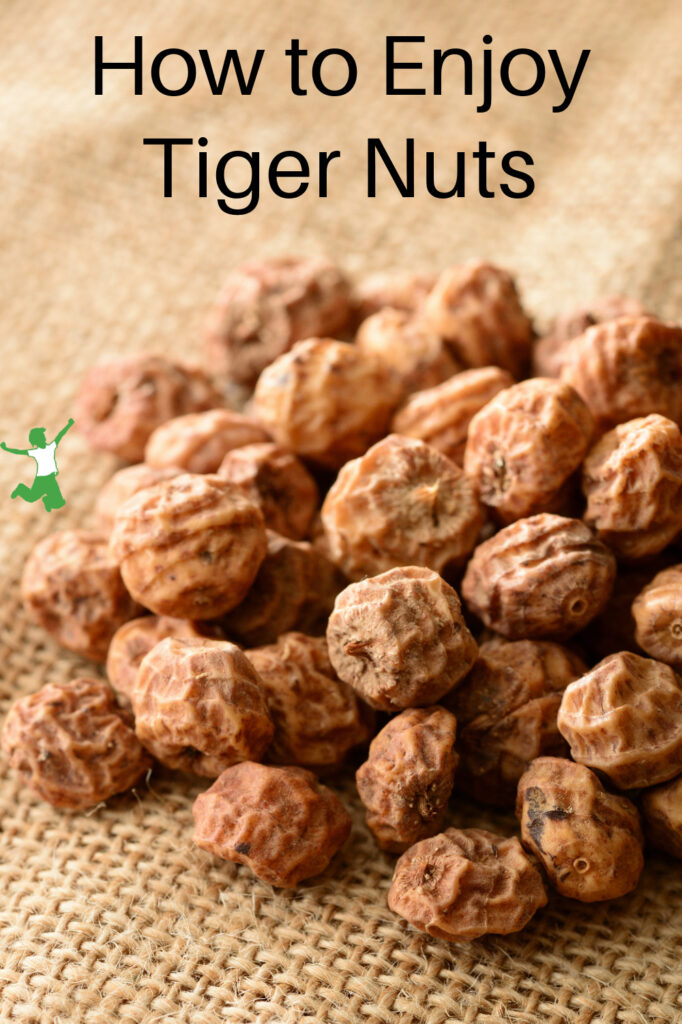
pixel 72 587
pixel 632 480
pixel 404 291
pixel 294 589
pixel 525 445
pixel 440 416
pixel 507 713
pixel 476 308
pixel 400 503
pixel 281 822
pixel 279 482
pixel 200 706
pixel 326 400
pixel 406 782
pixel 657 612
pixel 123 484
pixel 662 813
pixel 549 353
pixel 588 841
pixel 400 639
pixel 121 401
pixel 189 547
pixel 465 883
pixel 72 744
pixel 624 718
pixel 418 355
pixel 627 368
pixel 199 441
pixel 317 718
pixel 267 305
pixel 540 578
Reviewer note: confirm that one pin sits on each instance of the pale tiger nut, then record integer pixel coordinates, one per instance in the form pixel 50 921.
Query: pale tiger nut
pixel 199 441
pixel 657 612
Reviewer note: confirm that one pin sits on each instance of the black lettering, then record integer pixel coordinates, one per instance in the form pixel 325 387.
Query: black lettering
pixel 376 147
pixel 392 64
pixel 101 64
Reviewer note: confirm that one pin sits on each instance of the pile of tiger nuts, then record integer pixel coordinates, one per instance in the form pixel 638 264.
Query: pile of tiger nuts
pixel 430 543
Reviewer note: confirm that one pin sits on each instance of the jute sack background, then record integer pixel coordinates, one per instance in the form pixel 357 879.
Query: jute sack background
pixel 112 915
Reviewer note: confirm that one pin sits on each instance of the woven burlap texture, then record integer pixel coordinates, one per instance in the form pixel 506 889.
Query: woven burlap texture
pixel 112 915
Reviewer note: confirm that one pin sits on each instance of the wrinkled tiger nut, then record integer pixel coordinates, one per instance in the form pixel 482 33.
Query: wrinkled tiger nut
pixel 507 709
pixel 627 368
pixel 632 480
pixel 465 883
pixel 189 547
pixel 123 484
pixel 662 813
pixel 72 744
pixel 476 308
pixel 279 482
pixel 317 718
pixel 281 822
pixel 542 577
pixel 199 441
pixel 589 841
pixel 524 446
pixel 72 587
pixel 624 718
pixel 200 706
pixel 401 503
pixel 418 355
pixel 326 400
pixel 657 612
pixel 549 353
pixel 404 291
pixel 121 401
pixel 400 639
pixel 405 783
pixel 440 416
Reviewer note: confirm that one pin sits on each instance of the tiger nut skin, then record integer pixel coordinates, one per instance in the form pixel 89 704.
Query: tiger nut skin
pixel 72 587
pixel 123 484
pixel 632 480
pixel 540 578
pixel 279 821
pixel 588 841
pixel 662 813
pixel 122 401
pixel 624 719
pixel 199 441
pixel 400 639
pixel 200 706
pixel 418 354
pixel 72 744
pixel 627 368
pixel 440 416
pixel 657 611
pixel 549 352
pixel 266 305
pixel 507 713
pixel 294 589
pixel 189 547
pixel 279 482
pixel 475 307
pixel 401 503
pixel 318 719
pixel 326 401
pixel 404 291
pixel 465 883
pixel 405 783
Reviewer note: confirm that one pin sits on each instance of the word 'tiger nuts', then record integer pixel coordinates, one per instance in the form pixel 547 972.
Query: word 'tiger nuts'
pixel 657 611
pixel 199 441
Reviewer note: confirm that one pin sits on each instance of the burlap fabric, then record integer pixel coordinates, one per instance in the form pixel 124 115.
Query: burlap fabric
pixel 113 915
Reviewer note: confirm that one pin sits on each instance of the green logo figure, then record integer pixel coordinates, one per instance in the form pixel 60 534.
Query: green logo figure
pixel 45 485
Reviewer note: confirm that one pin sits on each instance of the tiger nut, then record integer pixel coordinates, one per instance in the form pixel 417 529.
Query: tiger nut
pixel 524 446
pixel 405 783
pixel 632 480
pixel 200 706
pixel 549 353
pixel 440 416
pixel 657 612
pixel 400 503
pixel 281 822
pixel 465 883
pixel 189 547
pixel 72 587
pixel 542 577
pixel 400 639
pixel 317 718
pixel 72 744
pixel 624 718
pixel 418 355
pixel 199 441
pixel 123 484
pixel 326 400
pixel 404 291
pixel 662 813
pixel 588 841
pixel 121 401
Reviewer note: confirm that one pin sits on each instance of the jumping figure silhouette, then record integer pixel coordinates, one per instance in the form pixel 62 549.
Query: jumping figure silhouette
pixel 45 485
